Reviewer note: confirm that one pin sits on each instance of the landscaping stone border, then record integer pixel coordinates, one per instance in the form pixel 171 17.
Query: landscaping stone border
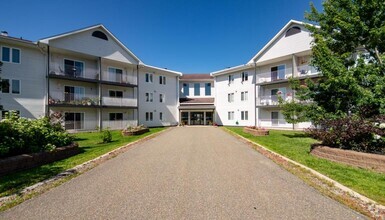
pixel 27 161
pixel 358 159
pixel 256 132
pixel 139 132
pixel 321 182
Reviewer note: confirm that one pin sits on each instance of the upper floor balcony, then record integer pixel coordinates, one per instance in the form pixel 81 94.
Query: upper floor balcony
pixel 119 102
pixel 74 70
pixel 72 98
pixel 115 76
pixel 283 74
pixel 273 100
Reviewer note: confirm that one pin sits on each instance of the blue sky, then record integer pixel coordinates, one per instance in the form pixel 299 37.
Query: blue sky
pixel 195 36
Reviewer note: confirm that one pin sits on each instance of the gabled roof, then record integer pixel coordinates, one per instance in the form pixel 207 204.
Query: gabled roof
pixel 291 22
pixel 161 69
pixel 46 40
pixel 231 69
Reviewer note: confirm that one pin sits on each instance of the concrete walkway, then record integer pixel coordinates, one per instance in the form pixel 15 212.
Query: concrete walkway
pixel 185 173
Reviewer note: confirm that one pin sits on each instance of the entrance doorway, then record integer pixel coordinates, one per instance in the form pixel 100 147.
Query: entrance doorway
pixel 196 118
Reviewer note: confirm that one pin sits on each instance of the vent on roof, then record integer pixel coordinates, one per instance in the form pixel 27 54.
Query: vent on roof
pixel 4 33
pixel 292 31
pixel 100 35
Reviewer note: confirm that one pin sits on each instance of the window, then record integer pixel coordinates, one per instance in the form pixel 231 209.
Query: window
pixel 186 89
pixel 5 86
pixel 10 55
pixel 197 89
pixel 162 80
pixel 4 113
pixel 231 79
pixel 149 96
pixel 230 116
pixel 244 115
pixel 15 86
pixel 72 93
pixel 161 116
pixel 230 97
pixel 149 77
pixel 73 121
pixel 292 31
pixel 245 76
pixel 115 74
pixel 161 98
pixel 244 96
pixel 116 116
pixel 274 118
pixel 99 34
pixel 73 68
pixel 116 94
pixel 148 116
pixel 277 72
pixel 208 89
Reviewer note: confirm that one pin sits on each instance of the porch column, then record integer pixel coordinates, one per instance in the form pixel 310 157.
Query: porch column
pixel 188 118
pixel 204 118
pixel 180 117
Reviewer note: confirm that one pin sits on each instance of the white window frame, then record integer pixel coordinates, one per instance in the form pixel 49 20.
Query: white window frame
pixel 83 122
pixel 230 97
pixel 113 79
pixel 231 79
pixel 161 98
pixel 245 76
pixel 162 80
pixel 113 90
pixel 160 116
pixel 149 116
pixel 11 86
pixel 149 97
pixel 83 95
pixel 150 77
pixel 109 116
pixel 230 115
pixel 244 115
pixel 10 54
pixel 244 96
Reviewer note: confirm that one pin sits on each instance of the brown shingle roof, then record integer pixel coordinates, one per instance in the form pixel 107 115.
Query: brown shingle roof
pixel 196 100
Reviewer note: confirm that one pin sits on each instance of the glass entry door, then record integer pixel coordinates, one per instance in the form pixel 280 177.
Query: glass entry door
pixel 196 118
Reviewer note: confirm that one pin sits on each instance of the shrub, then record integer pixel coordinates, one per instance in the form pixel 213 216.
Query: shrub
pixel 352 133
pixel 106 135
pixel 20 135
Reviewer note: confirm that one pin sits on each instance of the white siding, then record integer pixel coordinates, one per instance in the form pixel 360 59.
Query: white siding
pixel 31 71
pixel 222 106
pixel 169 107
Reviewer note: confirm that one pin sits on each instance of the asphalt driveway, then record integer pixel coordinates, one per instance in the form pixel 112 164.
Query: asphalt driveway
pixel 184 173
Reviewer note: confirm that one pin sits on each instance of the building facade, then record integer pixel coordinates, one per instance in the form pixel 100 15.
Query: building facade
pixel 90 80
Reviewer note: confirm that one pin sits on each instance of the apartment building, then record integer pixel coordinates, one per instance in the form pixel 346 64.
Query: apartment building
pixel 286 55
pixel 86 77
pixel 197 95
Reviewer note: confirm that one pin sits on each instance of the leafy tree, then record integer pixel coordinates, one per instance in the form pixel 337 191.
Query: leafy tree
pixel 349 50
pixel 1 64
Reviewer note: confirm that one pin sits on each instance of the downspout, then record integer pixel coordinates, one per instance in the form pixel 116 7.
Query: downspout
pixel 100 95
pixel 137 95
pixel 48 79
pixel 255 95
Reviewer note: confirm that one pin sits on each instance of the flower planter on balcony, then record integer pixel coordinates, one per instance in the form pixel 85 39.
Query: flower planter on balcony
pixel 256 131
pixel 137 132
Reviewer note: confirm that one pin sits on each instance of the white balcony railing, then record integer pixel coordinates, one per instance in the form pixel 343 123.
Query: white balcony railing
pixel 274 76
pixel 89 74
pixel 81 125
pixel 272 100
pixel 119 101
pixel 85 99
pixel 306 70
pixel 274 123
pixel 120 124
pixel 119 78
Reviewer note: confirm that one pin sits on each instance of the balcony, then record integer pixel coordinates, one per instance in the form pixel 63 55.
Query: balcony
pixel 119 79
pixel 119 102
pixel 85 76
pixel 306 70
pixel 273 100
pixel 281 123
pixel 119 124
pixel 72 99
pixel 274 76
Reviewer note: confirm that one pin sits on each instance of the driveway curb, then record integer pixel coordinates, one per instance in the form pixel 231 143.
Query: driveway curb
pixel 371 206
pixel 66 175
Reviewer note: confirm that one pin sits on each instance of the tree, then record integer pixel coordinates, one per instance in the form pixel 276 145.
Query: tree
pixel 1 64
pixel 349 49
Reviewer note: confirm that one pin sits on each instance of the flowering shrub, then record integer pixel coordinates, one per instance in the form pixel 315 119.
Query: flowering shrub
pixel 21 135
pixel 352 133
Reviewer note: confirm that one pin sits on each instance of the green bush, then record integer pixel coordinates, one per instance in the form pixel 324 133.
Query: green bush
pixel 106 135
pixel 22 135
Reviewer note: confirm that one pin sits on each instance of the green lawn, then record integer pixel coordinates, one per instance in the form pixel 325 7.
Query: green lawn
pixel 296 146
pixel 90 149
